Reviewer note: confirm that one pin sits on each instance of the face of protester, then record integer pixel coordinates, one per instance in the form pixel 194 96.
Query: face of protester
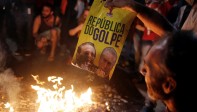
pixel 86 55
pixel 46 12
pixel 157 76
pixel 106 62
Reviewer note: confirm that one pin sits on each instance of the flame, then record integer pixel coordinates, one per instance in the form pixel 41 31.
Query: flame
pixel 8 106
pixel 59 99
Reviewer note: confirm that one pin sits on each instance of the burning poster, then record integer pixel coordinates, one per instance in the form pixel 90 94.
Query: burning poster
pixel 102 38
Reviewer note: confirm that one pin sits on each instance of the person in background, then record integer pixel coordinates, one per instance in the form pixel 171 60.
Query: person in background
pixel 156 22
pixel 68 20
pixel 187 16
pixel 8 26
pixel 150 18
pixel 72 11
pixel 46 28
pixel 24 12
pixel 76 30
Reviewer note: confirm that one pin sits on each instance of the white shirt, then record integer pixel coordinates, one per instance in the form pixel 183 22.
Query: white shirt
pixel 191 21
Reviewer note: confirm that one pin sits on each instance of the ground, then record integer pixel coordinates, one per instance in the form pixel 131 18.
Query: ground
pixel 120 92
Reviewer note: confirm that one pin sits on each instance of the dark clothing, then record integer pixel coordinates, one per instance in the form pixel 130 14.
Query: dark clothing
pixel 69 21
pixel 6 4
pixel 7 20
pixel 24 19
pixel 173 12
pixel 185 15
pixel 5 12
pixel 44 27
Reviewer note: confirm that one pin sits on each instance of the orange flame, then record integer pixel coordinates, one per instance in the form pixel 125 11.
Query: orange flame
pixel 59 99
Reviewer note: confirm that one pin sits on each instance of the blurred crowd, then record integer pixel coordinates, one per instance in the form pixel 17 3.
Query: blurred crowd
pixel 19 25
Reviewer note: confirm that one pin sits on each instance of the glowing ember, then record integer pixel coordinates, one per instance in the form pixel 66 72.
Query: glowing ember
pixel 59 99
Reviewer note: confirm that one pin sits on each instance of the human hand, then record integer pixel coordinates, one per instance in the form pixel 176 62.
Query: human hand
pixel 43 39
pixel 40 44
pixel 125 4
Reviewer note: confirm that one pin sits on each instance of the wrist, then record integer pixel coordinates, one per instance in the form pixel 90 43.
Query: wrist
pixel 135 6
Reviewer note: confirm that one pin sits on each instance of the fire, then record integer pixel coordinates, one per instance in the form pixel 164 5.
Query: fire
pixel 8 106
pixel 59 99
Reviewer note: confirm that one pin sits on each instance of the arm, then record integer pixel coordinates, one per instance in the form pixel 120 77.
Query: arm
pixel 36 26
pixel 151 18
pixel 75 30
pixel 63 6
pixel 58 21
pixel 140 27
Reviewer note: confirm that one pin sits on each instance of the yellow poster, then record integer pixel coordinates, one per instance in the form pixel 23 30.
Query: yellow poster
pixel 102 38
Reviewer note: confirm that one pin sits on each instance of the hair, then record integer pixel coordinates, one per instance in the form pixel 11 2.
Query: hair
pixel 111 50
pixel 48 5
pixel 85 43
pixel 182 48
pixel 181 60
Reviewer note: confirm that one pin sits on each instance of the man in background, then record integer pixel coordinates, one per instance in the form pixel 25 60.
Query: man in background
pixel 47 28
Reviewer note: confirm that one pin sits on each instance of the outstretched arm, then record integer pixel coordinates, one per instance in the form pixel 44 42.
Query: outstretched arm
pixel 151 18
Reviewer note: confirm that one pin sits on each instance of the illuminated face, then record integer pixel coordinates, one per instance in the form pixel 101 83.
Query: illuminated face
pixel 86 55
pixel 107 61
pixel 155 71
pixel 46 12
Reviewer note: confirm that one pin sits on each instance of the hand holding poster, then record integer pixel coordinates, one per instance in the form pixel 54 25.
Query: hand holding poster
pixel 102 38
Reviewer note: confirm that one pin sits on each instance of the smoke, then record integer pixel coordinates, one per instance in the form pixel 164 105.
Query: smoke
pixel 10 85
pixel 8 81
